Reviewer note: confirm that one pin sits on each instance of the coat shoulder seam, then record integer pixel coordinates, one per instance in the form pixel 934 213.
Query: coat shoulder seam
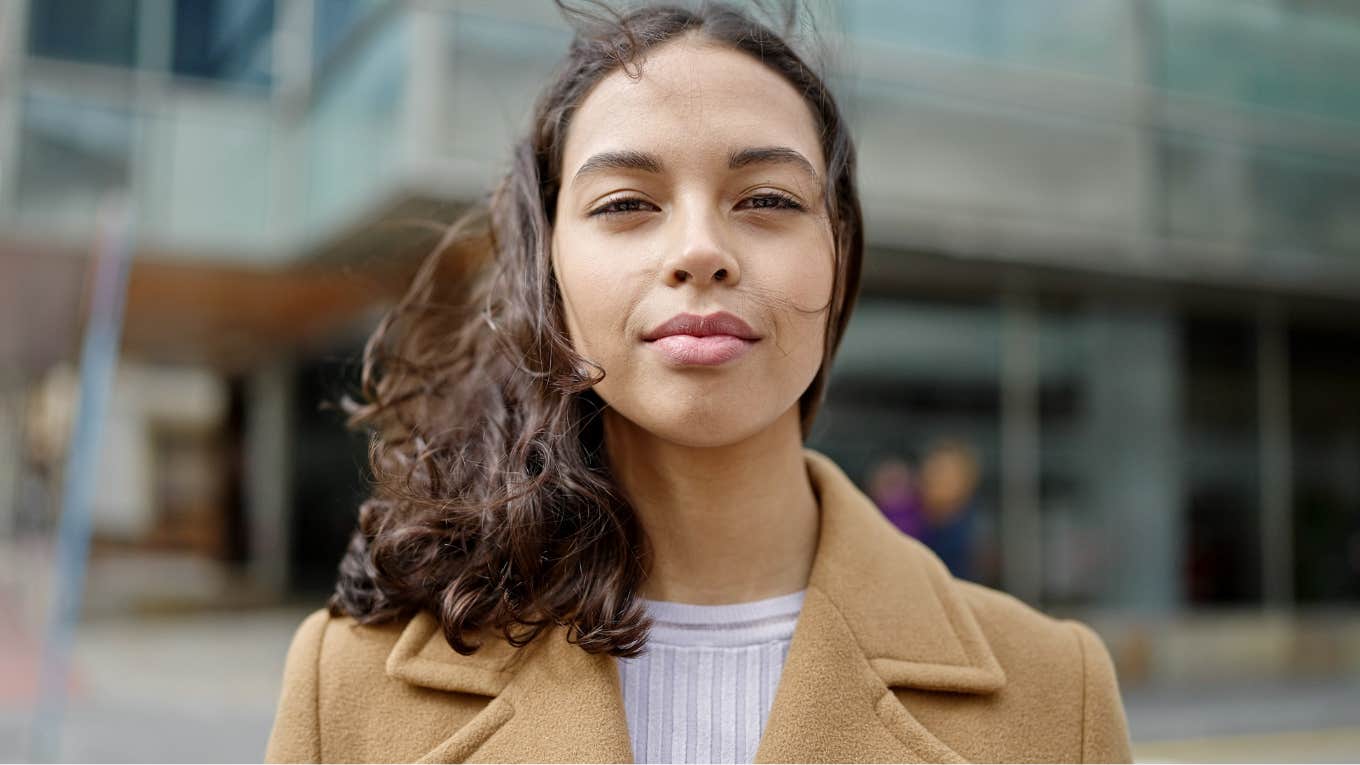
pixel 320 649
pixel 1085 691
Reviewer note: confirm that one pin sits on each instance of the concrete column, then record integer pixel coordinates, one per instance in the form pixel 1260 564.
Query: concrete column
pixel 1147 171
pixel 268 472
pixel 1135 433
pixel 1277 469
pixel 1021 527
pixel 292 48
pixel 429 84
pixel 12 393
pixel 13 28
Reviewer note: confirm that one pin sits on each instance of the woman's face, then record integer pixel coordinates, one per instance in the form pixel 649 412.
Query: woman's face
pixel 695 189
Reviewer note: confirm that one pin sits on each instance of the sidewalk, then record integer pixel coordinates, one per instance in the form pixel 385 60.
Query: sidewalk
pixel 192 688
pixel 1326 745
pixel 1304 720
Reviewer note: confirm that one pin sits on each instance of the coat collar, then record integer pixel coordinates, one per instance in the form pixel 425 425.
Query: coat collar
pixel 881 611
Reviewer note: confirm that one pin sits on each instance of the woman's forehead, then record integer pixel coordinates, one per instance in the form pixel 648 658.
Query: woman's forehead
pixel 694 101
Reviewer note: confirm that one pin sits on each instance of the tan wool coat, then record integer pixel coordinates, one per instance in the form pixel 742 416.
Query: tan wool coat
pixel 892 660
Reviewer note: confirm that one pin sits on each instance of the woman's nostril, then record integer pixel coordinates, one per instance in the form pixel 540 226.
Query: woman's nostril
pixel 720 274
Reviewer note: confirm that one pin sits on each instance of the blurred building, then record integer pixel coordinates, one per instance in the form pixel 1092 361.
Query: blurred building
pixel 1114 248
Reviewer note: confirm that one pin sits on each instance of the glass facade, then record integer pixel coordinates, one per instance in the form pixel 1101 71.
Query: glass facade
pixel 1025 121
pixel 912 376
pixel 228 42
pixel 107 32
pixel 353 131
pixel 71 153
pixel 1150 477
pixel 1082 37
pixel 334 22
pixel 224 40
pixel 1280 56
pixel 1324 369
pixel 1223 562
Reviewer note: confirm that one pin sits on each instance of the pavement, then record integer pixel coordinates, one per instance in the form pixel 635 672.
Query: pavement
pixel 1294 720
pixel 191 688
pixel 201 687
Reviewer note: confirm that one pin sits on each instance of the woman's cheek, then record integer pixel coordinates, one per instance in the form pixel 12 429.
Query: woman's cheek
pixel 598 298
pixel 812 300
pixel 577 299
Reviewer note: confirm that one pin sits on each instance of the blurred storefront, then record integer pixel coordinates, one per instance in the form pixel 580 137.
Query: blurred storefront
pixel 1114 254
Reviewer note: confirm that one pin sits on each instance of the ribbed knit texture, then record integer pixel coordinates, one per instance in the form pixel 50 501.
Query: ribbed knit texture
pixel 702 689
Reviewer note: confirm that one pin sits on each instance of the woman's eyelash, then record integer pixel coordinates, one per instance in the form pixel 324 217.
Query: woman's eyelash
pixel 781 201
pixel 627 205
pixel 613 207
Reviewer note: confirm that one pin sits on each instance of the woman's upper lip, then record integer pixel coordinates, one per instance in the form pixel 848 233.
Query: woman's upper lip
pixel 719 323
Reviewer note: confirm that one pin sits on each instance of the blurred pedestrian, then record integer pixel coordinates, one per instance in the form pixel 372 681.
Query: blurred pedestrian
pixel 949 480
pixel 892 485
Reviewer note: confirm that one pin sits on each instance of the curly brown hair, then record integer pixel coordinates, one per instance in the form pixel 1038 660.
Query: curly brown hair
pixel 493 506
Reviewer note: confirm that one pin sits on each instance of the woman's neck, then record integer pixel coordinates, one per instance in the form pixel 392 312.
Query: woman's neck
pixel 726 524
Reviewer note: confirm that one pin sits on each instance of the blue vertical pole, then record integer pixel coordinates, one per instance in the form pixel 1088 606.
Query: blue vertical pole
pixel 98 360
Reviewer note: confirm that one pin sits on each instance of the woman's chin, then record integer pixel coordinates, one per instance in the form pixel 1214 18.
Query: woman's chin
pixel 698 437
pixel 705 427
pixel 713 417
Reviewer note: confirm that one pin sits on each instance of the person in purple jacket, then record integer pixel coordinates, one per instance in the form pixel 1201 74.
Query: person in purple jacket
pixel 892 484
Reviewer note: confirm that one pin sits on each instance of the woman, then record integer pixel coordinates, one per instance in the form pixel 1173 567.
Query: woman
pixel 596 535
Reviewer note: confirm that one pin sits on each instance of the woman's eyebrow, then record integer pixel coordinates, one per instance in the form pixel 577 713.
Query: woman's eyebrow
pixel 619 160
pixel 650 163
pixel 771 155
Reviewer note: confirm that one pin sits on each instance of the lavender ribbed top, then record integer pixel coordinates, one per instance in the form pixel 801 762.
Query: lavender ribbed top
pixel 702 690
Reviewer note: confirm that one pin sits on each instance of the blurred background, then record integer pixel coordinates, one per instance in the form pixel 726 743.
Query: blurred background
pixel 1106 358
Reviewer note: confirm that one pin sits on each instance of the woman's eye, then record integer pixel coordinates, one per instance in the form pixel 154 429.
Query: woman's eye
pixel 768 201
pixel 619 207
pixel 773 201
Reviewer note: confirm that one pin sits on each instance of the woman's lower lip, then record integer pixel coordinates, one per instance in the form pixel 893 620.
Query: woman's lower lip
pixel 710 350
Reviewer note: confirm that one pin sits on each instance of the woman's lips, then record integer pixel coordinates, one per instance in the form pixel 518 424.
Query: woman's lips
pixel 709 350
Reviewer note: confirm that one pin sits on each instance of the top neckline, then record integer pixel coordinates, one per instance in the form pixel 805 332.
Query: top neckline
pixel 754 622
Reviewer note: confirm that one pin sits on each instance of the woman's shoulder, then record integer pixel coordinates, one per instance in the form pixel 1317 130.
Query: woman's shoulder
pixel 1006 618
pixel 328 648
pixel 992 676
pixel 324 636
pixel 1015 630
pixel 354 681
pixel 318 625
pixel 1045 659
pixel 1023 637
pixel 340 643
pixel 342 651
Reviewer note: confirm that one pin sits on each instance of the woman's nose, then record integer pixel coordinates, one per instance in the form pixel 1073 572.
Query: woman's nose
pixel 681 275
pixel 701 257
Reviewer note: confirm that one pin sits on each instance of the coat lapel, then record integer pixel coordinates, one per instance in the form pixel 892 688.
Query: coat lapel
pixel 881 611
pixel 551 701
